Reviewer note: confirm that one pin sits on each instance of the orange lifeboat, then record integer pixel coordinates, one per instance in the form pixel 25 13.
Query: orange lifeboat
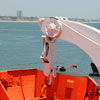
pixel 32 84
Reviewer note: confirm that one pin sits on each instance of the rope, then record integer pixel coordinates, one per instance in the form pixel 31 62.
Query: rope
pixel 21 64
pixel 63 63
pixel 21 86
pixel 32 64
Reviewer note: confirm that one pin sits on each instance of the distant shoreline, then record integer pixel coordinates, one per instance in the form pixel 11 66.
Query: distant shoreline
pixel 21 21
pixel 89 21
pixel 36 21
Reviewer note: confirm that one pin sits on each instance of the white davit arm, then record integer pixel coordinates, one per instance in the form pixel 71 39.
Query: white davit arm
pixel 83 36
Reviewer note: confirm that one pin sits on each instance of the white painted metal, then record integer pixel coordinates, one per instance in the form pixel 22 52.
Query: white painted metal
pixel 84 36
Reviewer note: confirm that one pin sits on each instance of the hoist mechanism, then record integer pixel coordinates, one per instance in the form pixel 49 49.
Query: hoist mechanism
pixel 85 37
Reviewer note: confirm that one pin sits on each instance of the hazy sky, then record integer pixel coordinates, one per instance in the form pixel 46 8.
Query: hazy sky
pixel 89 9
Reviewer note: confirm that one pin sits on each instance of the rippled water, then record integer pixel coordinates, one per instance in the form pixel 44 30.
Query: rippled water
pixel 20 43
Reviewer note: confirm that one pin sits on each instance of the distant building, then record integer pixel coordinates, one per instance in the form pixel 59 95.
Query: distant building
pixel 19 14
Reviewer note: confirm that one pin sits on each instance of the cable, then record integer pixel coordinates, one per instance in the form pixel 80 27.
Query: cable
pixel 21 64
pixel 33 64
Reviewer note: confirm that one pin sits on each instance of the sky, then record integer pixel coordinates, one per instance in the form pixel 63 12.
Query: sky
pixel 84 9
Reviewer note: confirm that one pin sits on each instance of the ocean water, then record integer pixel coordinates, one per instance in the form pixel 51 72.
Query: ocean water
pixel 20 43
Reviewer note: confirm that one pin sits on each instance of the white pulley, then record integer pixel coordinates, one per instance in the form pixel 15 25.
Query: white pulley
pixel 52 27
